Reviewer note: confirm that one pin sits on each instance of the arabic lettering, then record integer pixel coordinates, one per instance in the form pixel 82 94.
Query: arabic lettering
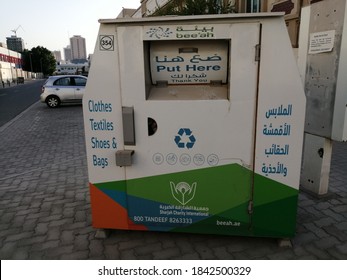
pixel 280 169
pixel 196 58
pixel 280 111
pixel 177 76
pixel 189 76
pixel 277 150
pixel 166 60
pixel 282 130
pixel 196 29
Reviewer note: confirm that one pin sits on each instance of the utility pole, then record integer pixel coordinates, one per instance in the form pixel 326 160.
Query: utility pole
pixel 31 65
pixel 325 58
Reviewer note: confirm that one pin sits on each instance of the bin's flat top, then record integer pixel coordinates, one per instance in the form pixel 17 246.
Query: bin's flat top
pixel 168 19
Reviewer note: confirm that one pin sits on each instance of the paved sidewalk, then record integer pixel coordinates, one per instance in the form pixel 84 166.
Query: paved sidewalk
pixel 45 210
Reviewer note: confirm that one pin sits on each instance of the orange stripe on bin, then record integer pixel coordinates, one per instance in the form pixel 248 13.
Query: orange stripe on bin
pixel 107 213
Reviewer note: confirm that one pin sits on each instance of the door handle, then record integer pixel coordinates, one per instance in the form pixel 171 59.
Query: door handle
pixel 124 157
pixel 128 126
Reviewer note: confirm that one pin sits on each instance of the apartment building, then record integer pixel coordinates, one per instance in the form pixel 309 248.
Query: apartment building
pixel 78 48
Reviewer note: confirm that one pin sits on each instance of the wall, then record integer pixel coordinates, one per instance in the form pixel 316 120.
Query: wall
pixel 11 66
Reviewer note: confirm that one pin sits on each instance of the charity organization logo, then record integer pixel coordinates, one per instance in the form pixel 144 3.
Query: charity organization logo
pixel 159 32
pixel 183 192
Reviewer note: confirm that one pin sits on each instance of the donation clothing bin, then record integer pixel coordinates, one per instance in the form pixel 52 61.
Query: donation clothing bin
pixel 195 124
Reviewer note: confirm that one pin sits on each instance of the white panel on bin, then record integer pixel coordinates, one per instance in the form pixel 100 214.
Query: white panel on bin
pixel 189 62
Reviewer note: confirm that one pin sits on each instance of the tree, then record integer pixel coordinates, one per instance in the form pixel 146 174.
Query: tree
pixel 39 60
pixel 195 7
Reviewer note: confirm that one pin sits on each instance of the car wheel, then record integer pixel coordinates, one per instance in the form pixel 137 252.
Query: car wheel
pixel 53 101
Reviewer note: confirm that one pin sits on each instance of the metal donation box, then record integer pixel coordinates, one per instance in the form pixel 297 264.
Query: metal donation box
pixel 195 124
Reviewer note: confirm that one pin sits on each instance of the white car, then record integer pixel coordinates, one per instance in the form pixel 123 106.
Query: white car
pixel 63 89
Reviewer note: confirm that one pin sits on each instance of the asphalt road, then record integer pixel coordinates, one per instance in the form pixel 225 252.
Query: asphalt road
pixel 17 98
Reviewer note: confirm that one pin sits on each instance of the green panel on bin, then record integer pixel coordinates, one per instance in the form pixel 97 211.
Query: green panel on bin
pixel 225 191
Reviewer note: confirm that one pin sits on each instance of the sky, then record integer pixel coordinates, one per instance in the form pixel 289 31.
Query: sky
pixel 50 24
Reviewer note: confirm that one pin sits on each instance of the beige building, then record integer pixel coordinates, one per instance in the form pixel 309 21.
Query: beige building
pixel 67 53
pixel 57 55
pixel 78 47
pixel 291 8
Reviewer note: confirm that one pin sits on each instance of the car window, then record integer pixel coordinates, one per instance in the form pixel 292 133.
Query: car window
pixel 63 82
pixel 80 81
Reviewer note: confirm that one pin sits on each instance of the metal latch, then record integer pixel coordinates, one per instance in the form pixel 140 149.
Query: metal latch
pixel 257 52
pixel 124 157
pixel 250 207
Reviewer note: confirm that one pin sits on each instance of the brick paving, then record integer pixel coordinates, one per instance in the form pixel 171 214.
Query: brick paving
pixel 45 205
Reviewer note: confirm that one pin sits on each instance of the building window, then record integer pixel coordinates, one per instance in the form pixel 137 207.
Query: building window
pixel 253 6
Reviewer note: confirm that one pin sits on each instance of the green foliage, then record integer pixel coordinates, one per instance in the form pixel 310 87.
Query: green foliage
pixel 173 8
pixel 39 59
pixel 195 7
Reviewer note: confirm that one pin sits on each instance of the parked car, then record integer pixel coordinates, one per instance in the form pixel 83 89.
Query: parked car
pixel 63 89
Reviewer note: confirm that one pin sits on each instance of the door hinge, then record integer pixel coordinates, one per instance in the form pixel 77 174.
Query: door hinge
pixel 257 52
pixel 250 207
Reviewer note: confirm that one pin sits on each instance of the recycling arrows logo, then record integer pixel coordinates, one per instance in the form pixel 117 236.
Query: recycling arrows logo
pixel 185 138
